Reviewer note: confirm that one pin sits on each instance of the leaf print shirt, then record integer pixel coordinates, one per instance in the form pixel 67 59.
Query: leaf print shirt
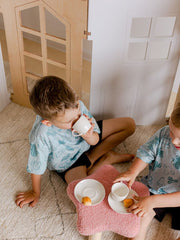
pixel 55 148
pixel 164 163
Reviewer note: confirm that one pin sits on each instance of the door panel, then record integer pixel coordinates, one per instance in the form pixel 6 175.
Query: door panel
pixel 51 43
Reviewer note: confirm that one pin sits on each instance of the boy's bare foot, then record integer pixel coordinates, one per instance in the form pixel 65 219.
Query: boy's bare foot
pixel 110 158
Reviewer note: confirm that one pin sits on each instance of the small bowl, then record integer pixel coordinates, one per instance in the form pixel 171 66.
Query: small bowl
pixel 119 191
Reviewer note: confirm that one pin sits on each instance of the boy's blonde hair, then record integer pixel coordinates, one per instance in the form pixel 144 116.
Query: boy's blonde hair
pixel 52 95
pixel 175 116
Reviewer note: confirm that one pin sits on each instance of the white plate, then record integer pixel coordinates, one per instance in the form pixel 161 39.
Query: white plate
pixel 90 188
pixel 118 206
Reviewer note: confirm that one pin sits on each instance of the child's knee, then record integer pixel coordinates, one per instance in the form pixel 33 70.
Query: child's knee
pixel 131 125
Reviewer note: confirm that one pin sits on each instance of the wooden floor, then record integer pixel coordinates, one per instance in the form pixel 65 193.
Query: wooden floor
pixel 36 67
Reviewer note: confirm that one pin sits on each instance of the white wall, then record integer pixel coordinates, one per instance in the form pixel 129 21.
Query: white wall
pixel 120 87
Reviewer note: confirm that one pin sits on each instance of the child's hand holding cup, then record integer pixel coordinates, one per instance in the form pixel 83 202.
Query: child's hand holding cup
pixel 81 126
pixel 119 191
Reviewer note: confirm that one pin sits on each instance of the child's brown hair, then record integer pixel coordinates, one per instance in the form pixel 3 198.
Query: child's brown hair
pixel 175 116
pixel 52 95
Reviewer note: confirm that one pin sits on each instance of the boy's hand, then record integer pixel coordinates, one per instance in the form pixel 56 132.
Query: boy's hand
pixel 29 197
pixel 142 206
pixel 91 137
pixel 126 176
pixel 90 131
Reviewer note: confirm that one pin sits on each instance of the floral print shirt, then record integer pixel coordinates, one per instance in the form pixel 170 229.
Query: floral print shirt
pixel 164 163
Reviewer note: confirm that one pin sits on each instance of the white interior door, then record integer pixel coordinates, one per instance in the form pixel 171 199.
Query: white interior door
pixel 135 55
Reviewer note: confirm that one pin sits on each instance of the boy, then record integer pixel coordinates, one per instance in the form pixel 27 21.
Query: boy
pixel 52 144
pixel 162 153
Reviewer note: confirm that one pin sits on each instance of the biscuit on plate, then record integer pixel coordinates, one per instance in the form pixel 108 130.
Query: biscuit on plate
pixel 86 201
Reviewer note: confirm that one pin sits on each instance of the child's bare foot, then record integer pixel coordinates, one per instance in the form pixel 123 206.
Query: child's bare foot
pixel 110 158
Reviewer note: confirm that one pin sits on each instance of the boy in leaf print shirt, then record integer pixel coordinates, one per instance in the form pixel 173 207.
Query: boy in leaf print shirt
pixel 162 154
pixel 53 146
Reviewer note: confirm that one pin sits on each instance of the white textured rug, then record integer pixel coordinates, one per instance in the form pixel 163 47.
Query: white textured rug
pixel 54 217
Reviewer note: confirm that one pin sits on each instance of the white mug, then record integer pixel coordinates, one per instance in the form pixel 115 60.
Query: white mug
pixel 81 126
pixel 119 191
